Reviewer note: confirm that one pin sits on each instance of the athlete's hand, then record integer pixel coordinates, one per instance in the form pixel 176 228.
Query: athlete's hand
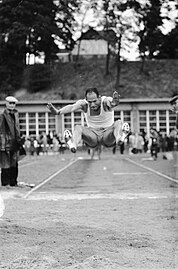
pixel 115 100
pixel 52 108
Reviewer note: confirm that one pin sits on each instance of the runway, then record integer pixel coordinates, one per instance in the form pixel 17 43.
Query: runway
pixel 82 213
pixel 77 176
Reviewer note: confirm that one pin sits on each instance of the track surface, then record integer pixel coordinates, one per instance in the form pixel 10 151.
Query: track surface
pixel 119 212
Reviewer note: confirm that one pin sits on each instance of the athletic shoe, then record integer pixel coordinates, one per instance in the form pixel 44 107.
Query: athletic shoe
pixel 68 139
pixel 125 131
pixel 67 135
pixel 126 127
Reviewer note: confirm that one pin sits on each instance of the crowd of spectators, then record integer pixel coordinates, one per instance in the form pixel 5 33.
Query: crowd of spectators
pixel 134 144
pixel 44 144
pixel 141 142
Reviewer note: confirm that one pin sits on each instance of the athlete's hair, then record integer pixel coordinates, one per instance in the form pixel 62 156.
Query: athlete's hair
pixel 90 90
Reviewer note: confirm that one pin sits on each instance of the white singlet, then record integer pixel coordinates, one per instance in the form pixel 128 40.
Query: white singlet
pixel 104 120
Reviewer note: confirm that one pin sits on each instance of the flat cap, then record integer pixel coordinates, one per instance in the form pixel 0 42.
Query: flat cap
pixel 173 99
pixel 11 99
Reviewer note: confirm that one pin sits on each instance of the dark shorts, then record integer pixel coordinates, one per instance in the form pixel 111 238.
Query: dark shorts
pixel 103 136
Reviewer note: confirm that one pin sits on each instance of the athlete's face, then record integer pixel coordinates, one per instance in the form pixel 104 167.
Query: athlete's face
pixel 93 101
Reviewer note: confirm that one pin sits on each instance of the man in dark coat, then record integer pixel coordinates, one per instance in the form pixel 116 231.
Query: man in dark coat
pixel 174 103
pixel 9 142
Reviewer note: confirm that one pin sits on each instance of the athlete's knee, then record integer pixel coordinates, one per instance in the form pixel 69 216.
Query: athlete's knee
pixel 108 139
pixel 89 138
pixel 91 142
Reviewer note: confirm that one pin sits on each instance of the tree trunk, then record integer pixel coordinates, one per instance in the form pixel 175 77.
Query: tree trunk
pixel 81 31
pixel 118 64
pixel 107 60
pixel 78 50
pixel 142 64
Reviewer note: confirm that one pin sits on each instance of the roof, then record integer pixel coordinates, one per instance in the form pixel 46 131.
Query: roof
pixel 92 34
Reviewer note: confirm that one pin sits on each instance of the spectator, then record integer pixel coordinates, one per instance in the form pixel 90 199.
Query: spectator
pixel 50 139
pixel 131 143
pixel 27 146
pixel 40 145
pixel 174 104
pixel 171 143
pixel 62 145
pixel 139 143
pixel 146 141
pixel 55 143
pixel 162 142
pixel 9 143
pixel 45 143
pixel 154 140
pixel 122 148
pixel 32 146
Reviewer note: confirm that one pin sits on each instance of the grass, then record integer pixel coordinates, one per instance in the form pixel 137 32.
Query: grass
pixel 69 80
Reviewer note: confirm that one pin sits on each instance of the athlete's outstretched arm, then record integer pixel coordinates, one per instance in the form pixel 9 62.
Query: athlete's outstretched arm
pixel 111 102
pixel 68 108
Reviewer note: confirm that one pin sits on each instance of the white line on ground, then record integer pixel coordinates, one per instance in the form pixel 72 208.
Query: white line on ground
pixel 132 173
pixel 152 170
pixel 26 164
pixel 49 178
pixel 98 196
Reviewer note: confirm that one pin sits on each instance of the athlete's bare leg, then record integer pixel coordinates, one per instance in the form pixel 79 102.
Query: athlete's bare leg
pixel 96 150
pixel 118 130
pixel 80 133
pixel 116 133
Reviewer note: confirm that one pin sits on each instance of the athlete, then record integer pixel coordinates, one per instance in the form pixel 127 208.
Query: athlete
pixel 99 114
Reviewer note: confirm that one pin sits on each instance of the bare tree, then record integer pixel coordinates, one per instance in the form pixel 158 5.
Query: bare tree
pixel 81 24
pixel 119 16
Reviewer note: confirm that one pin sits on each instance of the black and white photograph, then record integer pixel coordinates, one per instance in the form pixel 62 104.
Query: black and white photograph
pixel 88 134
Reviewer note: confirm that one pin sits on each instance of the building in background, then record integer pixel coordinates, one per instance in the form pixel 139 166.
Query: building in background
pixel 94 44
pixel 141 114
